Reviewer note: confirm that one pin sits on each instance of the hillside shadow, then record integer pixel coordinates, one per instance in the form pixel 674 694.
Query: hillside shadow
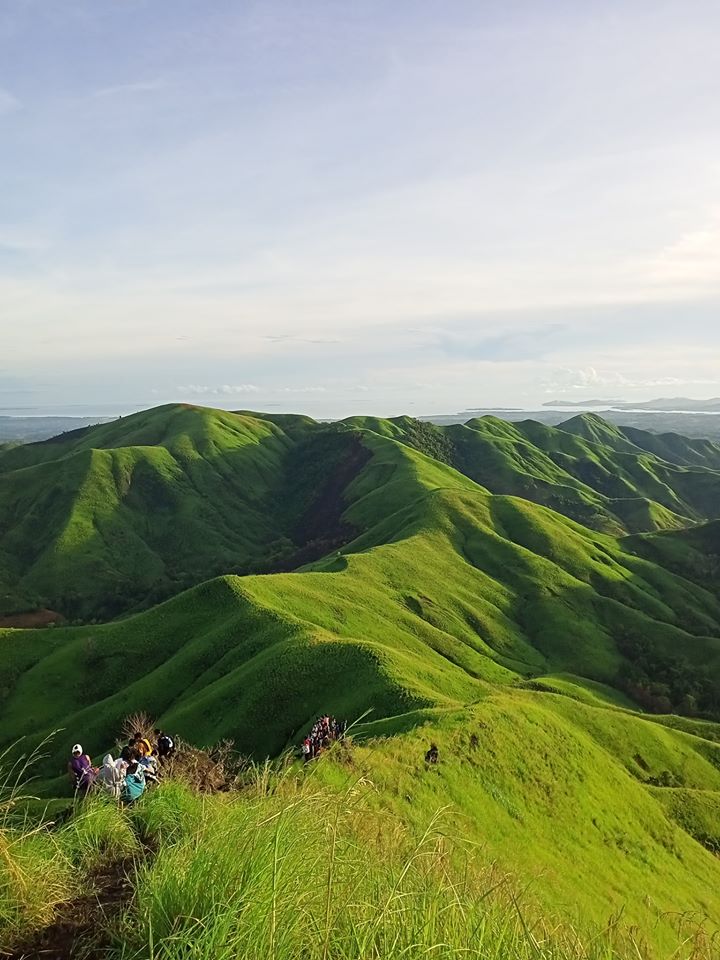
pixel 168 522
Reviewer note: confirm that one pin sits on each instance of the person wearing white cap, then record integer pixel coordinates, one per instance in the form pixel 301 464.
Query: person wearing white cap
pixel 81 771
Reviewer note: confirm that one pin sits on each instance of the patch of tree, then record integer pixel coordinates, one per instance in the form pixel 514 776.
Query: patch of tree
pixel 319 471
pixel 430 440
pixel 124 598
pixel 666 778
pixel 666 683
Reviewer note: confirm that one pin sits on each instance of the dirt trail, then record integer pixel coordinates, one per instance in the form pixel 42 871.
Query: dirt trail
pixel 81 926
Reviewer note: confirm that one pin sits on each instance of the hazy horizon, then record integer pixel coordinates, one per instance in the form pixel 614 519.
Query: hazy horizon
pixel 113 410
pixel 377 208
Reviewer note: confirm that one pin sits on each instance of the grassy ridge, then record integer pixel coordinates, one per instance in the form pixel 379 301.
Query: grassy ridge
pixel 448 591
pixel 598 474
pixel 494 853
pixel 490 624
pixel 119 516
pixel 564 794
pixel 147 504
pixel 128 513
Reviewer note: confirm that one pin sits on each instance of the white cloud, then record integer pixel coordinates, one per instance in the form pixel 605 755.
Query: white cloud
pixel 230 390
pixel 583 378
pixel 691 261
pixel 228 222
pixel 223 390
pixel 301 390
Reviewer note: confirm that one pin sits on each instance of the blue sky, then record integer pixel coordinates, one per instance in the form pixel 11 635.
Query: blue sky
pixel 333 207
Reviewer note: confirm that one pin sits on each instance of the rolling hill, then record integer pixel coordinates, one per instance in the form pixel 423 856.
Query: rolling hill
pixel 609 478
pixel 104 520
pixel 364 566
pixel 439 589
pixel 98 521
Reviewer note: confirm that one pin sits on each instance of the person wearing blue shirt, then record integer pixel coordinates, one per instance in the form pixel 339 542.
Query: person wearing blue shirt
pixel 134 785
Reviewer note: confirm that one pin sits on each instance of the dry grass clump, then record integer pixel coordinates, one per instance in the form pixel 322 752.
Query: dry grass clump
pixel 216 770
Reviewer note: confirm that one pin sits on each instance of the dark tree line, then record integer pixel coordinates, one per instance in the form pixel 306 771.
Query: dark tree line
pixel 667 683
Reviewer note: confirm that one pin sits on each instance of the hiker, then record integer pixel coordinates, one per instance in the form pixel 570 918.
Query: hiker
pixel 81 771
pixel 127 750
pixel 148 765
pixel 140 739
pixel 323 732
pixel 165 745
pixel 134 785
pixel 432 755
pixel 111 776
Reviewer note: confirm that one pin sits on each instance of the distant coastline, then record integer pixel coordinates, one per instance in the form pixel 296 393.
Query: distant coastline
pixel 660 405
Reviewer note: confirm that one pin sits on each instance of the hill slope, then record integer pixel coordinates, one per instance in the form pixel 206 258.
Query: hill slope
pixel 101 520
pixel 592 471
pixel 566 795
pixel 116 517
pixel 447 590
pixel 493 625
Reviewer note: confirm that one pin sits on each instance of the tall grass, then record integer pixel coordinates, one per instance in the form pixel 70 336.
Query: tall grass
pixel 307 874
pixel 35 874
pixel 98 834
pixel 288 869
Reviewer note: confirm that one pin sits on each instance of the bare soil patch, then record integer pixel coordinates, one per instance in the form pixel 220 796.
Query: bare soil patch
pixel 32 619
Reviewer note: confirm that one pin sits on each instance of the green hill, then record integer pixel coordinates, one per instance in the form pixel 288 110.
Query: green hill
pixel 615 480
pixel 526 645
pixel 113 518
pixel 584 801
pixel 99 521
pixel 445 589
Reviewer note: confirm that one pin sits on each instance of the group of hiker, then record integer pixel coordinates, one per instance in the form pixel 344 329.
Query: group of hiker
pixel 126 778
pixel 322 733
pixel 139 764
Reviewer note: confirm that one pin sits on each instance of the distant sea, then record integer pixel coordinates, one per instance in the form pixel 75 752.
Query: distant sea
pixel 610 407
pixel 102 410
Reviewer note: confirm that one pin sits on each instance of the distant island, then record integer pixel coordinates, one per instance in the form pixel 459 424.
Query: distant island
pixel 584 403
pixel 667 404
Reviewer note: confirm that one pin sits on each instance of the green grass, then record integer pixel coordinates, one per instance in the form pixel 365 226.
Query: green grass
pixel 119 516
pixel 35 877
pixel 99 833
pixel 447 591
pixel 369 854
pixel 450 609
pixel 131 512
pixel 593 472
pixel 317 875
pixel 554 792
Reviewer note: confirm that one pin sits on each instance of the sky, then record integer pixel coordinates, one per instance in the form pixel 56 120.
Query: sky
pixel 333 208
